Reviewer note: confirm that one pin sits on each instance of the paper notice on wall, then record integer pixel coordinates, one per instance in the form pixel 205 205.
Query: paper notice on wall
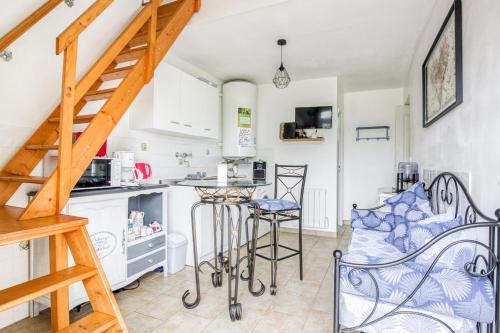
pixel 244 127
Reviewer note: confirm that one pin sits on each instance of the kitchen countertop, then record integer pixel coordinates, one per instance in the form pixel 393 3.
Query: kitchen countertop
pixel 113 190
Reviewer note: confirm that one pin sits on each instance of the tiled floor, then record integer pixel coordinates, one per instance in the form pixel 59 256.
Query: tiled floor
pixel 300 306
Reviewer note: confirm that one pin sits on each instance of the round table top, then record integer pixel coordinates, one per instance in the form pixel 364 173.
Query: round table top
pixel 213 183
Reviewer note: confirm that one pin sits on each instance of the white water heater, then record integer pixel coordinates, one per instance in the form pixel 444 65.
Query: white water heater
pixel 239 113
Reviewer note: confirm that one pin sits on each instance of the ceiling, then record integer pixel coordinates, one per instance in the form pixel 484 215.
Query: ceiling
pixel 368 43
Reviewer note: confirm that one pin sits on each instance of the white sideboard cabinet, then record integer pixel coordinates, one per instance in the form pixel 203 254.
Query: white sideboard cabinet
pixel 123 260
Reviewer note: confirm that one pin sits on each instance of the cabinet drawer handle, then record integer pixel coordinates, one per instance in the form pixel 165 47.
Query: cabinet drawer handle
pixel 188 125
pixel 150 245
pixel 175 122
pixel 150 261
pixel 208 129
pixel 123 241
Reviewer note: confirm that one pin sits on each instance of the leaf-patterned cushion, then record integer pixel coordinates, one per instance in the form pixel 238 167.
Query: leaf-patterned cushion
pixel 276 205
pixel 372 219
pixel 412 205
pixel 447 291
pixel 425 230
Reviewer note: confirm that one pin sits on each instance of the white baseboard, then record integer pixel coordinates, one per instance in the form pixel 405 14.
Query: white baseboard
pixel 309 232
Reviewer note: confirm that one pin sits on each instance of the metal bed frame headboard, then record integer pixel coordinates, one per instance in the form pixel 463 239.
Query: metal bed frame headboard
pixel 446 190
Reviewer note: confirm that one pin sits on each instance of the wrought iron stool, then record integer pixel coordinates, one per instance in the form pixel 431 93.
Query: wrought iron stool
pixel 289 184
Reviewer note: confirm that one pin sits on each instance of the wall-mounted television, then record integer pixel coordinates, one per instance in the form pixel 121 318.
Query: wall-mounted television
pixel 314 117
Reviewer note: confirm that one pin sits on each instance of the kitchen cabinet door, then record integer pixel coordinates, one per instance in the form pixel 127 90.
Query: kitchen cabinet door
pixel 191 102
pixel 209 112
pixel 180 200
pixel 167 98
pixel 107 223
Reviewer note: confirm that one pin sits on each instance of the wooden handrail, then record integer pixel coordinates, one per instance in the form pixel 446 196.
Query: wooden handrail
pixel 68 42
pixel 111 53
pixel 27 23
pixel 80 24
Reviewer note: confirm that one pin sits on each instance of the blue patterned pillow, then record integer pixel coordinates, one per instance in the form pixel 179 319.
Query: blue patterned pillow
pixel 372 219
pixel 412 205
pixel 422 231
pixel 399 237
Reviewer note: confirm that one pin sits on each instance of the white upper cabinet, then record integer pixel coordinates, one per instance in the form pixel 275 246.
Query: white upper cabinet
pixel 177 103
pixel 167 113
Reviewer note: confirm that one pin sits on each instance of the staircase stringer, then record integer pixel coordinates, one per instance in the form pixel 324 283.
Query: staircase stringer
pixel 172 30
pixel 97 287
pixel 108 117
pixel 87 145
pixel 24 161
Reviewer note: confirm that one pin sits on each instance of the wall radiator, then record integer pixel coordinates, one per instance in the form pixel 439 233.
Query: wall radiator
pixel 314 211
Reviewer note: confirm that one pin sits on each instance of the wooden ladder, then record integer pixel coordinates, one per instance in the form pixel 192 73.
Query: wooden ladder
pixel 129 62
pixel 63 232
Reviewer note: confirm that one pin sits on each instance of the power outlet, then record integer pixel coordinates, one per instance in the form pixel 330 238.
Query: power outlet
pixel 144 146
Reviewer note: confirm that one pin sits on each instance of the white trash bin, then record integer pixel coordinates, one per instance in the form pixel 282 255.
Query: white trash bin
pixel 176 253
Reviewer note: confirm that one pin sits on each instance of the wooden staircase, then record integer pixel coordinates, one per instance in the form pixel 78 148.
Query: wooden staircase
pixel 129 61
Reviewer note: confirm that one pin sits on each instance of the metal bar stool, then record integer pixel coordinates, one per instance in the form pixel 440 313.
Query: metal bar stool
pixel 286 206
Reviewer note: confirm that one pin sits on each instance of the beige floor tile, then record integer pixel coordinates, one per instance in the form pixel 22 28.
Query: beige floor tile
pixel 162 308
pixel 128 303
pixel 183 322
pixel 300 306
pixel 292 304
pixel 324 301
pixel 158 284
pixel 318 322
pixel 209 307
pixel 139 323
pixel 223 324
pixel 276 322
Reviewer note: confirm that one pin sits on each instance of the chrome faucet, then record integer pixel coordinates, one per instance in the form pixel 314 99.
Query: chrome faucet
pixel 183 158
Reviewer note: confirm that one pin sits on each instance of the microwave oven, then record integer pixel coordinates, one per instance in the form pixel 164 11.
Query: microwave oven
pixel 101 172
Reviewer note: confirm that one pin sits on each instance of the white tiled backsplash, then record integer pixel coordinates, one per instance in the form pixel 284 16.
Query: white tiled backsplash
pixel 160 153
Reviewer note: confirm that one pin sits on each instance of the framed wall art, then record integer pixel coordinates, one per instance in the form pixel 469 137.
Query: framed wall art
pixel 442 69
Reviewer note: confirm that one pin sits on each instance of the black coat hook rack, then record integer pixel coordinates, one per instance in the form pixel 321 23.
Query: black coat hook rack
pixel 371 128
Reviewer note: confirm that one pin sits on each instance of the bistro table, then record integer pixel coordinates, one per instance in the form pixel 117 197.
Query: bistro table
pixel 227 196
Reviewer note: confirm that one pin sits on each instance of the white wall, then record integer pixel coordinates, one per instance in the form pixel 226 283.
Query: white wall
pixel 466 139
pixel 276 106
pixel 368 165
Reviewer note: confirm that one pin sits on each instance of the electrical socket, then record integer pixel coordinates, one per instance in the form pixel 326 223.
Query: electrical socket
pixel 144 146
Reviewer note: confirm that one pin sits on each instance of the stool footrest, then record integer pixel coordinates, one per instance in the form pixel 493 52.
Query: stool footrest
pixel 296 253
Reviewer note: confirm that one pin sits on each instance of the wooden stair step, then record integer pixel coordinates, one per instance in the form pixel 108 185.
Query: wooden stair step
pixel 168 8
pixel 77 120
pixel 131 54
pixel 42 147
pixel 14 231
pixel 23 179
pixel 163 19
pixel 32 289
pixel 98 95
pixel 96 322
pixel 116 73
pixel 141 38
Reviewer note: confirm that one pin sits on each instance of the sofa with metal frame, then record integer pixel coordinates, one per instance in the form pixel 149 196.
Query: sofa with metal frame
pixel 445 191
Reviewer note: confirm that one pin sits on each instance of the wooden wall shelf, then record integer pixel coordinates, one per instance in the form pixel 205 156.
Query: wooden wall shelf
pixel 304 140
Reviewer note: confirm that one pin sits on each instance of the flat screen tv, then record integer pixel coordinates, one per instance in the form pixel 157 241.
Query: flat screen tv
pixel 314 117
